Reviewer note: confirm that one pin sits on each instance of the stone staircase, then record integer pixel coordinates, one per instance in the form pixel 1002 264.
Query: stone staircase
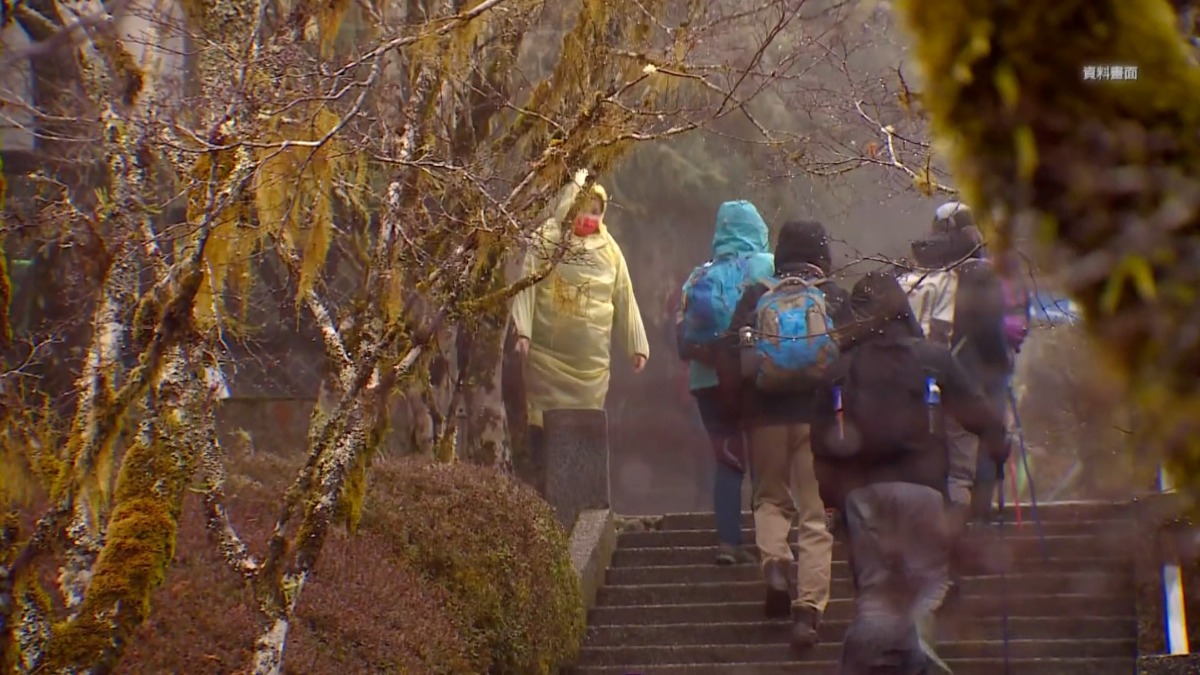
pixel 666 609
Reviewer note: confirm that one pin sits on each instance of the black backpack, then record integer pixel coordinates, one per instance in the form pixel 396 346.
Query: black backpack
pixel 888 401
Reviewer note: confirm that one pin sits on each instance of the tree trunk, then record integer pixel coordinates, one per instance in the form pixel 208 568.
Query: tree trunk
pixel 488 440
pixel 97 429
pixel 141 533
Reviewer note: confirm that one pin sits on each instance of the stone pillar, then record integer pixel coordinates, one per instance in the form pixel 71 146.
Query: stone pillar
pixel 576 462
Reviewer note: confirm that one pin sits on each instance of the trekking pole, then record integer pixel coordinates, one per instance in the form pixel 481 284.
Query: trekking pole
pixel 1016 490
pixel 1043 547
pixel 1003 570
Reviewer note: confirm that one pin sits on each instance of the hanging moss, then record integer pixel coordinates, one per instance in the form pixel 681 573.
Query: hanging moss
pixel 1109 171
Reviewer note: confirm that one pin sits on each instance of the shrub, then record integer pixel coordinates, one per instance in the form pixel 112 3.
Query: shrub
pixel 495 547
pixel 363 611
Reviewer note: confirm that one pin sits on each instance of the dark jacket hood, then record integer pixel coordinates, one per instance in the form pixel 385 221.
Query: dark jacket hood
pixel 945 248
pixel 802 243
pixel 881 310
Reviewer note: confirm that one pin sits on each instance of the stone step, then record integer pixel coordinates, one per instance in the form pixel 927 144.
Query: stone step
pixel 766 631
pixel 1057 548
pixel 1096 585
pixel 710 573
pixel 707 536
pixel 1059 666
pixel 781 651
pixel 1018 605
pixel 1048 512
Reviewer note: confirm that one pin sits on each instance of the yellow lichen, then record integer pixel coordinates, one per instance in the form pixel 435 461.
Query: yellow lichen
pixel 33 614
pixel 354 490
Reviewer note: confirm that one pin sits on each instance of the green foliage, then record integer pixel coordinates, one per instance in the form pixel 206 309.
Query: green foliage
pixel 1109 171
pixel 496 548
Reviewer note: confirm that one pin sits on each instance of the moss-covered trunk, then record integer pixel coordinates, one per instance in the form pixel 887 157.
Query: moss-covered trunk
pixel 140 538
pixel 488 440
pixel 1104 170
pixel 280 588
pixel 96 427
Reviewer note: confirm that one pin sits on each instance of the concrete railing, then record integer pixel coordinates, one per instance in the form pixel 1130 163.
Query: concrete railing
pixel 1167 550
pixel 575 481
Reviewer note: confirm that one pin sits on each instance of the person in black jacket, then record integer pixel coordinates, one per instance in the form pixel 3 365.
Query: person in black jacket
pixel 881 458
pixel 785 487
pixel 958 298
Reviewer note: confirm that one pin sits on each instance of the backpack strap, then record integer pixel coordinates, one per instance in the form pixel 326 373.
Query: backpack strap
pixel 774 283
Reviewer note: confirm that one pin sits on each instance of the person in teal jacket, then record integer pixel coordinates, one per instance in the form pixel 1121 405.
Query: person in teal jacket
pixel 740 231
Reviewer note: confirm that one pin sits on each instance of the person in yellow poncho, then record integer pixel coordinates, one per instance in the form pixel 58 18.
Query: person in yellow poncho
pixel 564 323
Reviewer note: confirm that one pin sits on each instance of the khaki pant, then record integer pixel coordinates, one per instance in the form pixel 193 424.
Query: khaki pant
pixel 785 488
pixel 964 457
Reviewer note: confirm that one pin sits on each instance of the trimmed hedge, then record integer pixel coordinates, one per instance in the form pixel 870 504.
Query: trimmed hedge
pixel 455 570
pixel 495 547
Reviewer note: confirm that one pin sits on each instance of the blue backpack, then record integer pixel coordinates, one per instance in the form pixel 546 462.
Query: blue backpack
pixel 795 344
pixel 710 295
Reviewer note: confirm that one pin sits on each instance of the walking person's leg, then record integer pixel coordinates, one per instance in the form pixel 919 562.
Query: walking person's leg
pixel 727 501
pixel 537 455
pixel 882 638
pixel 814 540
pixel 962 490
pixel 773 513
pixel 964 451
pixel 926 537
pixel 984 494
pixel 729 456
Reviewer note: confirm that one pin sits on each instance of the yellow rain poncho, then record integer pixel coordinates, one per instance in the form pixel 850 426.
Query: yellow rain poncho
pixel 570 315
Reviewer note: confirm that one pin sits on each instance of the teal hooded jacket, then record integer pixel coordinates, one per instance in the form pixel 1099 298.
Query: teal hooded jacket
pixel 740 230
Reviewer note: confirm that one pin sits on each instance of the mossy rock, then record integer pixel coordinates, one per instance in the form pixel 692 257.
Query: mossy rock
pixel 495 547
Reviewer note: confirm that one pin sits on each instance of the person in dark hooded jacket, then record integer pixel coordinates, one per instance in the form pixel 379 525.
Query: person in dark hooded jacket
pixel 881 458
pixel 994 318
pixel 781 461
pixel 957 298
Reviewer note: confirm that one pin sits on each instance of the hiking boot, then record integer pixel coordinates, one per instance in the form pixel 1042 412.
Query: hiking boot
pixel 934 665
pixel 953 595
pixel 779 593
pixel 728 554
pixel 805 621
pixel 927 635
pixel 832 520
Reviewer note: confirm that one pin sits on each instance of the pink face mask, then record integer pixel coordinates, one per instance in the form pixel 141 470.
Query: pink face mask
pixel 586 225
